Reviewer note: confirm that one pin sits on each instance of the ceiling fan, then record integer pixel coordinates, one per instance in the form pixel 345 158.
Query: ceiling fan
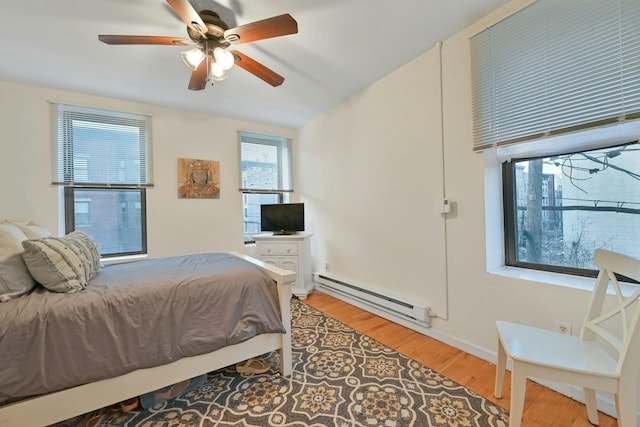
pixel 209 59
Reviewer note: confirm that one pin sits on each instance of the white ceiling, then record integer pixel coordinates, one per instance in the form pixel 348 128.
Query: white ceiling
pixel 342 47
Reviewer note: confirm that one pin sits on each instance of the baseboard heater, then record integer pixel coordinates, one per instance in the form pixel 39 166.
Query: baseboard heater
pixel 395 305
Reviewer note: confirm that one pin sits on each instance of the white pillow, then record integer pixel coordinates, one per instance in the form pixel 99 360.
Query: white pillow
pixel 10 239
pixel 15 279
pixel 31 229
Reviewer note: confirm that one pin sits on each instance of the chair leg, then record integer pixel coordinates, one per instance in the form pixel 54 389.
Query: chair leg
pixel 626 405
pixel 501 366
pixel 592 408
pixel 518 389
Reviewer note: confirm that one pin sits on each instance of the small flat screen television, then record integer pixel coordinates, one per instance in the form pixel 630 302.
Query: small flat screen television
pixel 287 218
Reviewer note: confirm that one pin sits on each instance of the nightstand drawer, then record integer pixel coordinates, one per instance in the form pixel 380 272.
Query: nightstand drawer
pixel 279 248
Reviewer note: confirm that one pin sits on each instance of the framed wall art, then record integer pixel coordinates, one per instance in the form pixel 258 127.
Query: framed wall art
pixel 198 179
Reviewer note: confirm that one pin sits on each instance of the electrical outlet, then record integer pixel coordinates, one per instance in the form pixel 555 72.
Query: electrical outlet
pixel 563 327
pixel 327 266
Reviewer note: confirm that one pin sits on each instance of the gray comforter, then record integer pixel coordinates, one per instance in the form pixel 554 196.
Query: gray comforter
pixel 132 316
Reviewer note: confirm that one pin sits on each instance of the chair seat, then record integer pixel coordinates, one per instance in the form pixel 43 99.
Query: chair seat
pixel 553 349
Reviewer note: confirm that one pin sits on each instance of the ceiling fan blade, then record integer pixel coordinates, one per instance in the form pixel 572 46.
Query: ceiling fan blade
pixel 257 69
pixel 189 15
pixel 267 28
pixel 116 39
pixel 199 76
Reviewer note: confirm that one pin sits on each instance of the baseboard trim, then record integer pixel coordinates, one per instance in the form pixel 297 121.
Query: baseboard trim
pixel 605 405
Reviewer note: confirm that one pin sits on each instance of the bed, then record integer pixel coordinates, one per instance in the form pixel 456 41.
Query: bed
pixel 170 333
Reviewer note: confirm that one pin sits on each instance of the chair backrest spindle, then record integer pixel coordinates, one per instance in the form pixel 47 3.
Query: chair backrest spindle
pixel 622 336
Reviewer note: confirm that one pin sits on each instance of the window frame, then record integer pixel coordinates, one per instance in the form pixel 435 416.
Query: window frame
pixel 72 175
pixel 69 216
pixel 284 185
pixel 497 68
pixel 510 227
pixel 509 208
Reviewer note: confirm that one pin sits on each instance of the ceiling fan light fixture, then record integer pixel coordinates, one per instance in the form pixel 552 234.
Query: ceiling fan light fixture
pixel 224 58
pixel 192 57
pixel 210 36
pixel 217 72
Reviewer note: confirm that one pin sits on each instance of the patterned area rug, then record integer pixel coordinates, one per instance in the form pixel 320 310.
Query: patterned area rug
pixel 341 378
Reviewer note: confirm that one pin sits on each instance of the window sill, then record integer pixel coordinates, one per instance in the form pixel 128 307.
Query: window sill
pixel 122 259
pixel 558 279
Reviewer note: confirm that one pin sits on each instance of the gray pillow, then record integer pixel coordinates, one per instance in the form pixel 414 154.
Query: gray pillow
pixel 15 279
pixel 87 249
pixel 62 264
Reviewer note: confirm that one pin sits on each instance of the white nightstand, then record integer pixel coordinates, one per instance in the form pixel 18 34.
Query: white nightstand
pixel 291 252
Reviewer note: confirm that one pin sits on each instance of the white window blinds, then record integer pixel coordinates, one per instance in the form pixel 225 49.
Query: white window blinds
pixel 265 163
pixel 556 66
pixel 100 148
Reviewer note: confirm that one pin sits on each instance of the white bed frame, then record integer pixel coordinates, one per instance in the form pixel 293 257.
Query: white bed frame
pixel 55 407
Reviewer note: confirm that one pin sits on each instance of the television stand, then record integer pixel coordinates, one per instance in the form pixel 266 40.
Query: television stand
pixel 291 252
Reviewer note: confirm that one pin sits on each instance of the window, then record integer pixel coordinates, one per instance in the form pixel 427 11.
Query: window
pixel 552 86
pixel 560 208
pixel 102 159
pixel 266 176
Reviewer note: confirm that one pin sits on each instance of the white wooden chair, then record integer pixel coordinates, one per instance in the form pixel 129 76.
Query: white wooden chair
pixel 606 355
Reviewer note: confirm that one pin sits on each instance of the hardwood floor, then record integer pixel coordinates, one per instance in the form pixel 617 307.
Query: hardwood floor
pixel 543 407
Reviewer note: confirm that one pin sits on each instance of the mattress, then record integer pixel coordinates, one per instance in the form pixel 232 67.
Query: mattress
pixel 131 316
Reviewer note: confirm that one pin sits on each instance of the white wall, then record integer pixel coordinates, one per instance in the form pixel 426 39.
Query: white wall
pixel 371 177
pixel 375 160
pixel 371 172
pixel 175 226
